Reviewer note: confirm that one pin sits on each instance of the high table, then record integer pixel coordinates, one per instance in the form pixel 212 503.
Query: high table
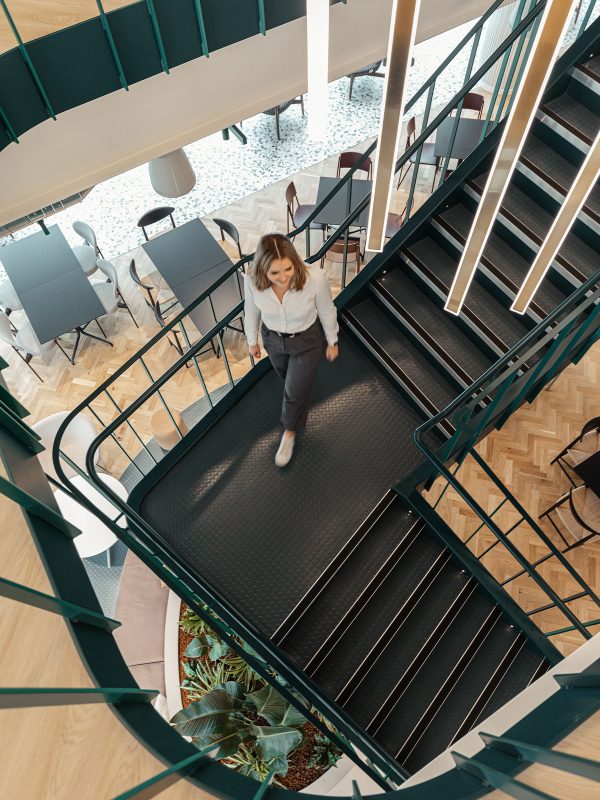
pixel 468 134
pixel 336 210
pixel 191 260
pixel 52 287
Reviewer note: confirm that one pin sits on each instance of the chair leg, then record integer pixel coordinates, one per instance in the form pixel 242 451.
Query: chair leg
pixel 351 85
pixel 277 126
pixel 302 103
pixel 128 310
pixel 62 350
pixel 27 359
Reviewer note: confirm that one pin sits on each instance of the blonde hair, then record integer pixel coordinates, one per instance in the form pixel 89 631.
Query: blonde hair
pixel 276 246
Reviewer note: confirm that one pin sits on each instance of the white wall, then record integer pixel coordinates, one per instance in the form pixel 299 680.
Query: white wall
pixel 124 129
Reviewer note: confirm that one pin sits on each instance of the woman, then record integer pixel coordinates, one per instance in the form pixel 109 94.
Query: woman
pixel 299 322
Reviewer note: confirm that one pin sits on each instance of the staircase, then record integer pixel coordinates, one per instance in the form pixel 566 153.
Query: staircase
pixel 365 602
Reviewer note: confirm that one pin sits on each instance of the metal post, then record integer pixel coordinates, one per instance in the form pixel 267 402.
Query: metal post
pixel 37 508
pixel 8 127
pixel 413 182
pixel 162 399
pixel 25 697
pixel 130 426
pixel 158 36
pixel 201 27
pixel 195 360
pixel 112 45
pixel 262 25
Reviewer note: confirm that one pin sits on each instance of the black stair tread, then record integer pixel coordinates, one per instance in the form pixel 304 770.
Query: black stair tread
pixel 505 258
pixel 574 115
pixel 430 678
pixel 448 720
pixel 408 640
pixel 437 322
pixel 404 353
pixel 538 221
pixel 329 607
pixel 508 326
pixel 517 678
pixel 351 648
pixel 593 66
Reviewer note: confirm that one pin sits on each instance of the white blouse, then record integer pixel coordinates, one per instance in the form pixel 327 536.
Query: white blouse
pixel 297 312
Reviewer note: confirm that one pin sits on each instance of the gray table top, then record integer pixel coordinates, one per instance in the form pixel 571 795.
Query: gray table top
pixel 336 211
pixel 191 261
pixel 467 138
pixel 50 283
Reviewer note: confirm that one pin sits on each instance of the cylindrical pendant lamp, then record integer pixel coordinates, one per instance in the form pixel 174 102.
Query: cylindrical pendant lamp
pixel 172 175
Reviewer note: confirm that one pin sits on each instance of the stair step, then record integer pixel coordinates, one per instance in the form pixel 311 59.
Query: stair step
pixel 557 171
pixel 393 733
pixel 447 721
pixel 524 212
pixel 401 354
pixel 348 652
pixel 527 664
pixel 366 697
pixel 454 345
pixel 493 318
pixel 509 267
pixel 353 575
pixel 591 68
pixel 574 116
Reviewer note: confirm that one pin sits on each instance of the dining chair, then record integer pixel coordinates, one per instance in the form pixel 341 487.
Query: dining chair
pixel 153 216
pixel 578 512
pixel 109 293
pixel 335 254
pixel 586 444
pixel 368 71
pixel 24 342
pixel 473 102
pixel 173 335
pixel 229 229
pixel 297 212
pixel 427 159
pixel 88 235
pixel 9 300
pixel 87 257
pixel 277 111
pixel 349 159
pixel 75 441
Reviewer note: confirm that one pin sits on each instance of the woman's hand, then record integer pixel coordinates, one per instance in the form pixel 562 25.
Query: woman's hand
pixel 332 352
pixel 254 350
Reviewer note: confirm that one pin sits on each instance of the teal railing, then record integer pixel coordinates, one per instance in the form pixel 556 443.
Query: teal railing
pixel 126 442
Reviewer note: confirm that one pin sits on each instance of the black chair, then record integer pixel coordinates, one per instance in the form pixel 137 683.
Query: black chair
pixel 578 512
pixel 145 287
pixel 581 448
pixel 173 335
pixel 153 216
pixel 369 71
pixel 297 212
pixel 428 157
pixel 277 111
pixel 226 227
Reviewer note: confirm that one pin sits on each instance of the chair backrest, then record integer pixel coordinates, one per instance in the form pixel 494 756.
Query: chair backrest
pixel 473 102
pixel 86 232
pixel 155 215
pixel 229 228
pixel 158 315
pixel 291 194
pixel 336 251
pixel 108 268
pixel 577 505
pixel 133 274
pixel 411 128
pixel 349 159
pixel 6 334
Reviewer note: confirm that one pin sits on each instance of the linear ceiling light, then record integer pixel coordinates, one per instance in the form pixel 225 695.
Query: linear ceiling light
pixel 405 14
pixel 561 225
pixel 528 95
pixel 317 57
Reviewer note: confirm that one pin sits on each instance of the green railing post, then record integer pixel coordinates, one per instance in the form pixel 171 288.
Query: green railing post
pixel 157 35
pixel 490 777
pixel 112 45
pixel 7 126
pixel 26 697
pixel 575 765
pixel 201 27
pixel 11 421
pixel 158 783
pixel 514 64
pixel 75 613
pixel 263 788
pixel 28 62
pixel 37 508
pixel 579 680
pixel 262 25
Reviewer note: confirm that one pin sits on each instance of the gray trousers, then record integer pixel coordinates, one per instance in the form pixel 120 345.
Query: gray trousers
pixel 296 360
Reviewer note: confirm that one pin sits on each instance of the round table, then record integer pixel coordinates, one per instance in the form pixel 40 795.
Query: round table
pixel 95 537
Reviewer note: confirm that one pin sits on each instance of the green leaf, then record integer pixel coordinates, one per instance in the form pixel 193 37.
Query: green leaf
pixel 206 716
pixel 269 704
pixel 196 648
pixel 229 741
pixel 218 649
pixel 272 742
pixel 292 717
pixel 279 764
pixel 235 689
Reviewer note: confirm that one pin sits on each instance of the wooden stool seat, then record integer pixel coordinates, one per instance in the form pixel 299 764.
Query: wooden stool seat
pixel 163 429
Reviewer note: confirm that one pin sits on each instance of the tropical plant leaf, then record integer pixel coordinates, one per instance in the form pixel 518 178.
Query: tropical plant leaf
pixel 275 741
pixel 279 764
pixel 269 704
pixel 218 649
pixel 235 689
pixel 206 716
pixel 292 717
pixel 196 648
pixel 189 670
pixel 229 741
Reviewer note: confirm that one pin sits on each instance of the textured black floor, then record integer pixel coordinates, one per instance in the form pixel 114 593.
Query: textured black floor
pixel 574 114
pixel 261 535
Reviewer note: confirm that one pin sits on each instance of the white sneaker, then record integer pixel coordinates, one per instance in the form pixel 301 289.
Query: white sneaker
pixel 286 449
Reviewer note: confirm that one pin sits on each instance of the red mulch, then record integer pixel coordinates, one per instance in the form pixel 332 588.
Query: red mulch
pixel 299 775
